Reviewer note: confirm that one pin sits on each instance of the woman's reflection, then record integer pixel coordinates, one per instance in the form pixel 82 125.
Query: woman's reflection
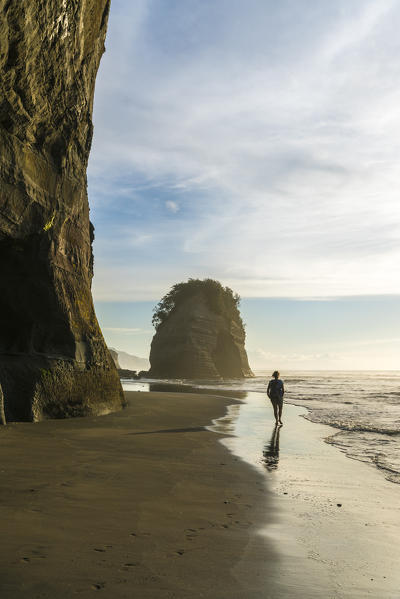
pixel 271 450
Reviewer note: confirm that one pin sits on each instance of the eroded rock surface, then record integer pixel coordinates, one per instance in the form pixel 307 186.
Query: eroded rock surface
pixel 53 359
pixel 195 342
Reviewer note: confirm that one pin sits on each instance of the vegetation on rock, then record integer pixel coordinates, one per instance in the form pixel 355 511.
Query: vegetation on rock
pixel 220 300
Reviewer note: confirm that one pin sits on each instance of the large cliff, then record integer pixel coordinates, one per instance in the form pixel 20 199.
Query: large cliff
pixel 199 334
pixel 53 359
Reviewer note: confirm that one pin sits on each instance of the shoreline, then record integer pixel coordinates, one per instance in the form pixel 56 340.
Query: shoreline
pixel 329 439
pixel 384 465
pixel 336 526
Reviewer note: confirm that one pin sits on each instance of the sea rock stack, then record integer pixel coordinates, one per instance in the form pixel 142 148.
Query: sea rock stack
pixel 53 359
pixel 199 333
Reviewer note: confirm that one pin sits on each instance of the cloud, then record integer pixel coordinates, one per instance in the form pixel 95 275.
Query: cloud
pixel 172 206
pixel 372 358
pixel 271 133
pixel 263 356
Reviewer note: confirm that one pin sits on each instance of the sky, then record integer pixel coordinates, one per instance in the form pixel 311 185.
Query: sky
pixel 256 143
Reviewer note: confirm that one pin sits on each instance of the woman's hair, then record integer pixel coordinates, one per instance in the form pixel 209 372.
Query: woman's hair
pixel 275 374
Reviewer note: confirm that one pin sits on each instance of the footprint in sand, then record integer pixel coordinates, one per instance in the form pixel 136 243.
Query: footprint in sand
pixel 128 566
pixel 35 554
pixel 191 533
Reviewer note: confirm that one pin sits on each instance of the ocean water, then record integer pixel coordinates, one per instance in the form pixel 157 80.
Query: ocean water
pixel 363 408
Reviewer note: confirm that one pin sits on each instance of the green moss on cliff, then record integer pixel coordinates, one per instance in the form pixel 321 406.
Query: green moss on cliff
pixel 65 391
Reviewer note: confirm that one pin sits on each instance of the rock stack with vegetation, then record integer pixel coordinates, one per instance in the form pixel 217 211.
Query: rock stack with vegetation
pixel 199 333
pixel 53 359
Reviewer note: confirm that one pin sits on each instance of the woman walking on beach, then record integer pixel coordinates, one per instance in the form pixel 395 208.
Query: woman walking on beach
pixel 275 392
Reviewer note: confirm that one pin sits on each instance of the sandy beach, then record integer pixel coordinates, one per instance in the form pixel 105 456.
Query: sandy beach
pixel 147 503
pixel 141 503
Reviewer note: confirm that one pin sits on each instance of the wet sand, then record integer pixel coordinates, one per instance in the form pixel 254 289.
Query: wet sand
pixel 336 519
pixel 142 503
pixel 146 503
pixel 342 514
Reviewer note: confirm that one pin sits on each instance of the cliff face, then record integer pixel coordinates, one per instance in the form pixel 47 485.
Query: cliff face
pixel 196 343
pixel 53 359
